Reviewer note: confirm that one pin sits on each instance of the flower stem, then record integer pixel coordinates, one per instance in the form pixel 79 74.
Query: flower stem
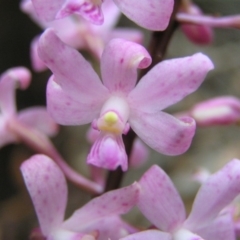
pixel 157 48
pixel 41 143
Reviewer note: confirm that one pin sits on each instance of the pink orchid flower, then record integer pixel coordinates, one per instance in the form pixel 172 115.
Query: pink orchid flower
pixel 161 204
pixel 150 14
pixel 78 33
pixel 75 95
pixel 98 218
pixel 34 117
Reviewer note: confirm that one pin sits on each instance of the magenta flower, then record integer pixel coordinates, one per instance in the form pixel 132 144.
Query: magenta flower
pixel 48 189
pixel 150 14
pixel 75 95
pixel 161 204
pixel 78 33
pixel 33 118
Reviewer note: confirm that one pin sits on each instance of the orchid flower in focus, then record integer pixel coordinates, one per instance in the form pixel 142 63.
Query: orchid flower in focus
pixel 33 117
pixel 78 33
pixel 150 14
pixel 98 219
pixel 75 95
pixel 161 204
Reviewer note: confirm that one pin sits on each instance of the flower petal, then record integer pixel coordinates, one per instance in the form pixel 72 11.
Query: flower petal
pixel 149 235
pixel 169 82
pixel 109 204
pixel 215 194
pixel 108 152
pixel 37 117
pixel 46 9
pixel 8 83
pixel 159 200
pixel 221 228
pixel 152 15
pixel 163 132
pixel 119 63
pixel 112 228
pixel 76 81
pixel 48 189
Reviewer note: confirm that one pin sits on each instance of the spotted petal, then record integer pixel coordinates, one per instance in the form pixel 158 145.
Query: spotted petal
pixel 215 194
pixel 109 204
pixel 74 84
pixel 163 132
pixel 119 64
pixel 159 201
pixel 169 82
pixel 150 14
pixel 47 187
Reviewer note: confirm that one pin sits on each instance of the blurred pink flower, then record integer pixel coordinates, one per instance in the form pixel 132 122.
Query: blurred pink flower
pixel 161 204
pixel 75 95
pixel 32 118
pixel 99 218
pixel 222 110
pixel 81 34
pixel 150 14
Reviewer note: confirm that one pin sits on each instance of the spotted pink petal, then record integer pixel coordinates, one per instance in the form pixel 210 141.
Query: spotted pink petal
pixel 216 193
pixel 109 204
pixel 119 64
pixel 150 14
pixel 38 118
pixel 169 82
pixel 159 200
pixel 74 84
pixel 47 187
pixel 163 132
pixel 9 80
pixel 221 228
pixel 148 235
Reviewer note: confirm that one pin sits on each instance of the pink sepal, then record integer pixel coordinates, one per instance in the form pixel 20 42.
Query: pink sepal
pixel 159 200
pixel 215 194
pixel 47 187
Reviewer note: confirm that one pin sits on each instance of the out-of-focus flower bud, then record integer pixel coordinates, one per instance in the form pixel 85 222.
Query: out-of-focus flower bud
pixel 217 111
